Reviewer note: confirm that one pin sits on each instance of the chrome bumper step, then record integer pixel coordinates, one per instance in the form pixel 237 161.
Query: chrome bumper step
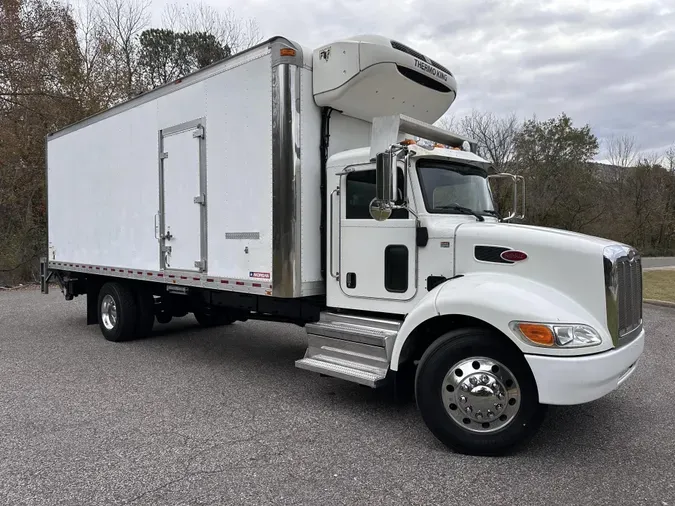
pixel 351 348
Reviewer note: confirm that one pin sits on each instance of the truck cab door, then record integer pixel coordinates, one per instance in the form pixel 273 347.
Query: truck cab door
pixel 378 259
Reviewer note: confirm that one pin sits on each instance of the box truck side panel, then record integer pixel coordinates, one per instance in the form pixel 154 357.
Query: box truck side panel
pixel 103 191
pixel 239 171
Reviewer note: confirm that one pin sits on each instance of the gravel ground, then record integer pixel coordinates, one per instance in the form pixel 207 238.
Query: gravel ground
pixel 222 416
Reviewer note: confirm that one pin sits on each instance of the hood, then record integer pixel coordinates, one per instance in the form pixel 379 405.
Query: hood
pixel 568 262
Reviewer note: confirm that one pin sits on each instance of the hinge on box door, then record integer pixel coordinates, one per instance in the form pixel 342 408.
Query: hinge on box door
pixel 200 199
pixel 166 249
pixel 201 265
pixel 164 155
pixel 198 133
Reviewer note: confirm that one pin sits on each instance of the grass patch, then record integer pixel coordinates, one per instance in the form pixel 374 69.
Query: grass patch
pixel 659 285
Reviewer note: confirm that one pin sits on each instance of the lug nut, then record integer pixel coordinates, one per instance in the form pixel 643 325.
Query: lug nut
pixel 465 387
pixel 484 378
pixel 490 414
pixel 498 407
pixel 500 396
pixel 468 409
pixel 479 415
pixel 462 399
pixel 473 380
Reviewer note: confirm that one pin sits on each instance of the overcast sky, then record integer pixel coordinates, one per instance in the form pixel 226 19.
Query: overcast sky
pixel 609 63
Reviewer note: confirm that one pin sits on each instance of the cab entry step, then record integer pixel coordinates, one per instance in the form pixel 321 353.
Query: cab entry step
pixel 352 348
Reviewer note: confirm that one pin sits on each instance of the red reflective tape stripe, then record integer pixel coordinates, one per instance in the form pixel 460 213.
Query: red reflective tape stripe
pixel 195 279
pixel 160 275
pixel 210 280
pixel 105 268
pixel 130 272
pixel 171 276
pixel 183 277
pixel 257 285
pixel 149 273
pixel 240 282
pixel 139 272
pixel 98 268
pixel 225 281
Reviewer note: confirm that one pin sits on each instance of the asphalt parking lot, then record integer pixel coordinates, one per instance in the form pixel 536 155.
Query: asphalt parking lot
pixel 222 416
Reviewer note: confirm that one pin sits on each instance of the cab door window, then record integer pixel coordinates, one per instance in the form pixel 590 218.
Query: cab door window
pixel 360 191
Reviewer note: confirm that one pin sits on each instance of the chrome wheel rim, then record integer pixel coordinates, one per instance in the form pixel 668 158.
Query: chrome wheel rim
pixel 481 395
pixel 109 312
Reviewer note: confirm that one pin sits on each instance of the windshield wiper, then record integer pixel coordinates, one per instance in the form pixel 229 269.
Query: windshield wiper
pixel 462 209
pixel 492 212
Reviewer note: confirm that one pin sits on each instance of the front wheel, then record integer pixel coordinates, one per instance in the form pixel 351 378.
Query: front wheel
pixel 476 394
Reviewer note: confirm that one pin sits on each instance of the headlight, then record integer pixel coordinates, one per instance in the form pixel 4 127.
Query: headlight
pixel 554 335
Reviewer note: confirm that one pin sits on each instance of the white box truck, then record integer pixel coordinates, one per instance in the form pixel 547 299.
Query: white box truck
pixel 310 187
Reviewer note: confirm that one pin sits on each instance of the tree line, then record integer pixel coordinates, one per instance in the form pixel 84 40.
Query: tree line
pixel 629 198
pixel 61 63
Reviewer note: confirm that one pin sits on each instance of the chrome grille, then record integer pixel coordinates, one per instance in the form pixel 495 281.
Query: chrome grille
pixel 629 284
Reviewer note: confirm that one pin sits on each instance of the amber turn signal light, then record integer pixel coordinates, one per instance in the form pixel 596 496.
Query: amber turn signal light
pixel 539 334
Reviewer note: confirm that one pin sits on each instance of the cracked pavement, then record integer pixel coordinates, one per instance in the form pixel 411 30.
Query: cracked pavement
pixel 197 416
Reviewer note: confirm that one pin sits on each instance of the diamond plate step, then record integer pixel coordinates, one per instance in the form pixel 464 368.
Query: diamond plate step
pixel 344 369
pixel 353 348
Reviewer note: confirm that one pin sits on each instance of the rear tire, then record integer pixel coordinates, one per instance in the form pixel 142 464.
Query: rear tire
pixel 477 394
pixel 117 312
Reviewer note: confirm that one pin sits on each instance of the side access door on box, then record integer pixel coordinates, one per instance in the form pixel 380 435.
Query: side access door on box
pixel 182 197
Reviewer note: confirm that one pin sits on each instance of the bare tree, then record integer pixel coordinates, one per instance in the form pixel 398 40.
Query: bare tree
pixel 449 123
pixel 235 33
pixel 622 151
pixel 669 158
pixel 121 22
pixel 496 136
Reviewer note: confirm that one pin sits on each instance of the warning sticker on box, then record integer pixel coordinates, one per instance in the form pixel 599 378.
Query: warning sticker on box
pixel 259 275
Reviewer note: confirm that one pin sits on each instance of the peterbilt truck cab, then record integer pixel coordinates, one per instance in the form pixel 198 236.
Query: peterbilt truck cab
pixel 490 320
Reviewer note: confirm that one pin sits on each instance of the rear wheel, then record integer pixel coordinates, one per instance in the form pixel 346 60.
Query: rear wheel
pixel 117 312
pixel 476 394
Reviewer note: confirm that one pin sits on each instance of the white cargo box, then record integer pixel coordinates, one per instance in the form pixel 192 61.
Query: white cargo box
pixel 212 180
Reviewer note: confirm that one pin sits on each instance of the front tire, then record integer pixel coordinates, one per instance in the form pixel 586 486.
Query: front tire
pixel 117 312
pixel 477 394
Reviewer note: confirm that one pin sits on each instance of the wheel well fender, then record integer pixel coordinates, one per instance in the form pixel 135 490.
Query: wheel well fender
pixel 489 300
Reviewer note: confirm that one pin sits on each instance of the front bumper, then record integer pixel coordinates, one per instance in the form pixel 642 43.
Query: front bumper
pixel 575 380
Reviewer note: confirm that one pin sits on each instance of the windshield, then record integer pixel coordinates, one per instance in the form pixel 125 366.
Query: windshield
pixel 446 185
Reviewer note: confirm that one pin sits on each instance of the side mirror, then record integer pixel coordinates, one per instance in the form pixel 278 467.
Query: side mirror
pixel 515 180
pixel 385 186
